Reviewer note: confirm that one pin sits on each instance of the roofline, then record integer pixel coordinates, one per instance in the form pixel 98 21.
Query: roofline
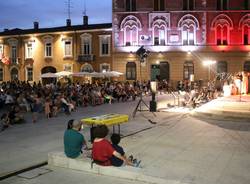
pixel 62 29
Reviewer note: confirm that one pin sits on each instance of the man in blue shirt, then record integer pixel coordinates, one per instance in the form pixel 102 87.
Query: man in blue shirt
pixel 73 140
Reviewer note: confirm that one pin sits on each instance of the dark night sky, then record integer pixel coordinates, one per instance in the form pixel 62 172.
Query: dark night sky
pixel 51 13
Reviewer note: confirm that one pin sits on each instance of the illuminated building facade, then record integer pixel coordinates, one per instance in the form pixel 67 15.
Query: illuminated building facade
pixel 26 54
pixel 181 35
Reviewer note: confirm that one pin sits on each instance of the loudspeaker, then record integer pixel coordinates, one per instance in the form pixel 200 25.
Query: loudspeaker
pixel 140 51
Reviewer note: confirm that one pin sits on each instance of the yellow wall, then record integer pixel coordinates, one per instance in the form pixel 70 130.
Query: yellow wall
pixel 57 60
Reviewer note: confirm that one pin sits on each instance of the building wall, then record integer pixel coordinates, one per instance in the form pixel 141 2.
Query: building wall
pixel 206 19
pixel 58 61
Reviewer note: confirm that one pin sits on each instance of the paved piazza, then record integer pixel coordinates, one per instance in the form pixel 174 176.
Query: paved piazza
pixel 179 148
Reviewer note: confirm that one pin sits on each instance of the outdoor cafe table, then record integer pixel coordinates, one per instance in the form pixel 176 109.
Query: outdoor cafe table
pixel 106 119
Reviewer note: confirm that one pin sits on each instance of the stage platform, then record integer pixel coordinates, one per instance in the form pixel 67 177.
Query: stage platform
pixel 227 108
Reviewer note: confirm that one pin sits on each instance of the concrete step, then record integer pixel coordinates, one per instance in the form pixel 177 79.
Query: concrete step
pixel 58 159
pixel 237 115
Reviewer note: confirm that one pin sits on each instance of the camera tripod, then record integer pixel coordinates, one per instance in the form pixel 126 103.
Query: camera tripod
pixel 141 101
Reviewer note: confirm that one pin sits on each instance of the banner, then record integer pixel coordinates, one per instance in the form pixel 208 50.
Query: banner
pixel 5 60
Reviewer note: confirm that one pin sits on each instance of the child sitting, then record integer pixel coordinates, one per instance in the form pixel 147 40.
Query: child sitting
pixel 115 139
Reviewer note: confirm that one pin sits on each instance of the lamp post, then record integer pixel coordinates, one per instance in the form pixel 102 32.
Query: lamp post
pixel 209 63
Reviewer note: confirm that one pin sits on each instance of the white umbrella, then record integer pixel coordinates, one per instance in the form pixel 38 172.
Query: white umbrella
pixel 63 74
pixel 112 74
pixel 81 74
pixel 96 74
pixel 109 74
pixel 117 73
pixel 49 75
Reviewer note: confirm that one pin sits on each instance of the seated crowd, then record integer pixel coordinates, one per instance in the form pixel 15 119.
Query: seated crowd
pixel 195 95
pixel 17 98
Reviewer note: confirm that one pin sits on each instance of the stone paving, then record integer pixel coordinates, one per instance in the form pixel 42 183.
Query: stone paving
pixel 179 148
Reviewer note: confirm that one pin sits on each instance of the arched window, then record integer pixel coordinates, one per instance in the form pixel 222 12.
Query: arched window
pixel 188 35
pixel 131 71
pixel 222 24
pixel 131 36
pixel 188 25
pixel 222 67
pixel 159 26
pixel 247 66
pixel 14 74
pixel 188 69
pixel 159 35
pixel 130 27
pixel 244 25
pixel 222 35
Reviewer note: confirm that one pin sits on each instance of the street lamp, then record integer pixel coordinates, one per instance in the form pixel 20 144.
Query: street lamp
pixel 209 63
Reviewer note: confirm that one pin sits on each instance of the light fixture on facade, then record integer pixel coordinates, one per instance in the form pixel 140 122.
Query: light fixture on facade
pixel 62 37
pixel 157 62
pixel 189 52
pixel 208 62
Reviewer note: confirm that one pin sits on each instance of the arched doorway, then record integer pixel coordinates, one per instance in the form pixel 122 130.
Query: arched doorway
pixel 87 68
pixel 14 74
pixel 48 69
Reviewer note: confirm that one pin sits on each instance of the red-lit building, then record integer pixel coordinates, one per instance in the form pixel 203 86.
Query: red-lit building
pixel 181 35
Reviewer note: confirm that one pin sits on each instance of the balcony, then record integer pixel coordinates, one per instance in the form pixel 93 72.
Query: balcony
pixel 15 61
pixel 86 58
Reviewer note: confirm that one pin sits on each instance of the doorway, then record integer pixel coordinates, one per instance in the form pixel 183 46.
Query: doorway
pixel 14 74
pixel 48 69
pixel 164 71
pixel 155 72
pixel 160 71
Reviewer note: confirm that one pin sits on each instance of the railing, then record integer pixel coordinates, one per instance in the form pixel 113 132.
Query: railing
pixel 15 61
pixel 175 96
pixel 86 58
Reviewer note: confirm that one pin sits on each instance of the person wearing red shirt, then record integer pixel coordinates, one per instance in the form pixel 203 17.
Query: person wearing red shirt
pixel 102 150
